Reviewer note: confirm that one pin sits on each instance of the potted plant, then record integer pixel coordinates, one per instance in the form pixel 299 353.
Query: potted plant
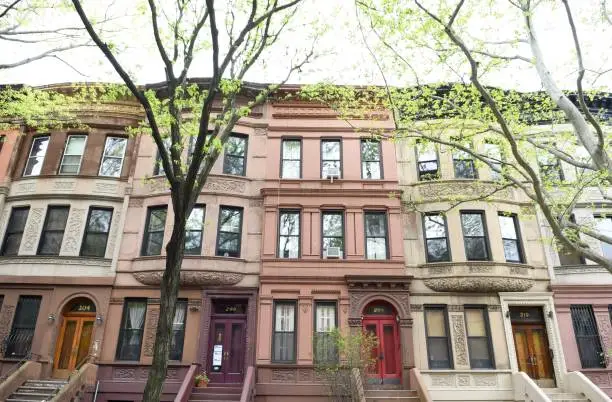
pixel 201 380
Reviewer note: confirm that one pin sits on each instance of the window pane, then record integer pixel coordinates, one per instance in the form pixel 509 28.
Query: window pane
pixel 115 147
pixel 436 324
pixel 292 149
pixel 111 167
pixel 508 230
pixel 289 247
pixel 56 218
pixel 376 248
pixel 37 156
pixel 94 244
pixel 99 220
pixel 236 146
pixel 19 342
pixel 472 224
pixel 476 248
pixel 14 230
pixel 333 242
pixel 587 335
pixel 330 150
pixel 325 317
pixel 290 223
pixel 75 145
pixel 437 250
pixel 233 165
pixel 155 243
pixel 285 317
pixel 426 152
pixel 435 226
pixel 327 165
pixel 604 225
pixel 193 242
pixel 132 324
pixel 53 232
pixel 229 243
pixel 479 353
pixel 370 170
pixel 511 251
pixel 291 169
pixel 465 169
pixel 196 219
pixel 437 351
pixel 157 220
pixel 332 225
pixel 230 220
pixel 475 322
pixel 375 224
pixel 370 150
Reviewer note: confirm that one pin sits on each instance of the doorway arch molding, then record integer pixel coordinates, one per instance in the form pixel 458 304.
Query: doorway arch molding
pixel 395 290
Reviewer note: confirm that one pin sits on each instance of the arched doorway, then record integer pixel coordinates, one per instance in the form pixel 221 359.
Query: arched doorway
pixel 380 320
pixel 75 336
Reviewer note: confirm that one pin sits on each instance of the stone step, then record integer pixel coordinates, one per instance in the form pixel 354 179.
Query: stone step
pixel 390 393
pixel 29 388
pixel 216 390
pixel 393 399
pixel 215 397
pixel 30 396
pixel 21 400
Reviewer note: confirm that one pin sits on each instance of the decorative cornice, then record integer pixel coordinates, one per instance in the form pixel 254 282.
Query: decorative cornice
pixel 191 278
pixel 61 260
pixel 378 282
pixel 579 269
pixel 479 284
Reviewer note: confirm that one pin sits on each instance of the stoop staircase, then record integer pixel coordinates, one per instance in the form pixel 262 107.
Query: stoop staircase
pixel 391 395
pixel 559 395
pixel 36 390
pixel 217 393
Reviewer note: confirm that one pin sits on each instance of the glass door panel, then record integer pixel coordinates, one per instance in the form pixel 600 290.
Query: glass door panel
pixel 84 341
pixel 68 338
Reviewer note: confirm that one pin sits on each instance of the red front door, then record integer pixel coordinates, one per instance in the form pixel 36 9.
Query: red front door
pixel 227 347
pixel 387 353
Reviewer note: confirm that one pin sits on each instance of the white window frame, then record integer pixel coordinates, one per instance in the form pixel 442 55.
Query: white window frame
pixel 64 154
pixel 115 157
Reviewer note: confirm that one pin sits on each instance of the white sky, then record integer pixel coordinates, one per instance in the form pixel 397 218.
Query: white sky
pixel 342 59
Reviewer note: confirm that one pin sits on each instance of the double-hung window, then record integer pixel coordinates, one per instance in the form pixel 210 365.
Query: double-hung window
pixel 283 337
pixel 53 230
pixel 376 235
pixel 132 326
pixel 604 226
pixel 194 229
pixel 464 165
pixel 14 231
pixel 154 230
pixel 112 158
pixel 475 236
pixel 234 161
pixel 291 164
pixel 289 234
pixel 96 232
pixel 478 337
pixel 428 165
pixel 493 151
pixel 73 154
pixel 370 159
pixel 436 330
pixel 19 341
pixel 510 237
pixel 325 350
pixel 36 156
pixel 331 158
pixel 587 336
pixel 333 232
pixel 229 232
pixel 436 238
pixel 550 167
pixel 178 330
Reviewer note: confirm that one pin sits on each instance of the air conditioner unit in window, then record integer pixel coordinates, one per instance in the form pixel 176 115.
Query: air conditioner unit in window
pixel 332 173
pixel 333 252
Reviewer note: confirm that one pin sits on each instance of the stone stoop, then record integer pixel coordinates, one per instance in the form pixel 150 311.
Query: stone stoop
pixel 217 393
pixel 388 395
pixel 559 395
pixel 36 390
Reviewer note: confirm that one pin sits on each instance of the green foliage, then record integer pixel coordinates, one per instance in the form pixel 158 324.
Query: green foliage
pixel 345 376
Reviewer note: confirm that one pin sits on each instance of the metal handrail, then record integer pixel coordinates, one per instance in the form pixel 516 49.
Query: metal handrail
pixel 96 392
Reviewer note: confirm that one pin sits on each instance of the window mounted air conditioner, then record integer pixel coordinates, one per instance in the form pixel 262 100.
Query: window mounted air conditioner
pixel 333 252
pixel 332 173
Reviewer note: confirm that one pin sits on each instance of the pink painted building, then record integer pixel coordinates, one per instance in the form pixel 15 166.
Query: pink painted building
pixel 332 252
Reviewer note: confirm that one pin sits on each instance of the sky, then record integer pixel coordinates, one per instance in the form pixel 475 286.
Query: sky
pixel 341 54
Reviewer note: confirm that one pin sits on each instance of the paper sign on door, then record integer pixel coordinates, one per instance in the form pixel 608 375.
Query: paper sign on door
pixel 217 356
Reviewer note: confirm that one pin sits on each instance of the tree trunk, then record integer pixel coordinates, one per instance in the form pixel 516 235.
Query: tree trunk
pixel 167 306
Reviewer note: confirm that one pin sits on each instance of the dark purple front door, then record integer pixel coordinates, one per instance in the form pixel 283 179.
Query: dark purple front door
pixel 226 348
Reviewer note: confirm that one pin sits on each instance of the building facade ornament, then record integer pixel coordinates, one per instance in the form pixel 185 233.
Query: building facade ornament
pixel 191 278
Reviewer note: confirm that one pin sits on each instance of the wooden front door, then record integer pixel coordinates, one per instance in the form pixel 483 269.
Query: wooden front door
pixel 227 347
pixel 73 343
pixel 387 354
pixel 533 354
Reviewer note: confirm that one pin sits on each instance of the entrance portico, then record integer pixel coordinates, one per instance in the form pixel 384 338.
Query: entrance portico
pixel 392 291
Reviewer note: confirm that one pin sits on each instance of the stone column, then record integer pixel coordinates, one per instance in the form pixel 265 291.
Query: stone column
pixel 458 339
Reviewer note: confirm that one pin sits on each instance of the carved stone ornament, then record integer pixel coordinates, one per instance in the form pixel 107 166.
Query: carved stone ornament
pixel 151 328
pixel 121 373
pixel 459 339
pixel 191 278
pixel 283 375
pixel 32 229
pixel 72 237
pixel 226 185
pixel 479 284
pixel 5 320
pixel 445 190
